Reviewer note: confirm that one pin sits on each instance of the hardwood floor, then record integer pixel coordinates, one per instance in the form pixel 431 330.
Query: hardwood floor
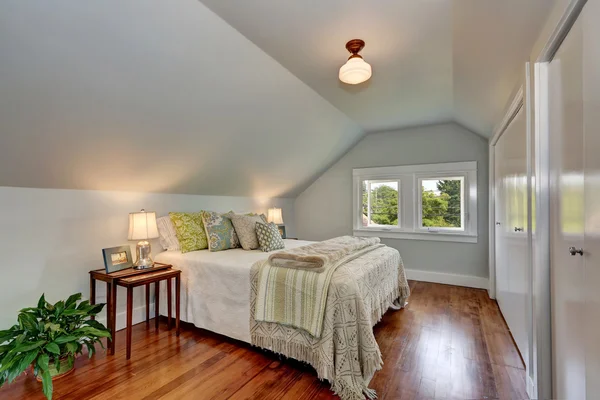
pixel 449 343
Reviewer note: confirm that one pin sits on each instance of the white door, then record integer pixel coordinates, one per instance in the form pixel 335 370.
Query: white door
pixel 512 246
pixel 591 246
pixel 565 102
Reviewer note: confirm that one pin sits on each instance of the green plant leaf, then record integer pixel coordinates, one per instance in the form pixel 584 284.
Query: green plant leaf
pixel 89 331
pixel 71 312
pixel 24 362
pixel 64 339
pixel 25 347
pixel 42 301
pixel 59 307
pixel 72 347
pixel 84 304
pixel 95 324
pixel 91 349
pixel 72 300
pixel 42 361
pixel 51 327
pixel 57 362
pixel 52 348
pixel 96 309
pixel 28 321
pixel 47 384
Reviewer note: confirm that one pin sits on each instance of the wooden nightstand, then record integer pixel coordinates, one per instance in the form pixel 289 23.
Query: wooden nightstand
pixel 130 278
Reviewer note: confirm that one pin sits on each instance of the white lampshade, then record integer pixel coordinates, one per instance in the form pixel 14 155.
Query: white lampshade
pixel 355 71
pixel 274 215
pixel 142 225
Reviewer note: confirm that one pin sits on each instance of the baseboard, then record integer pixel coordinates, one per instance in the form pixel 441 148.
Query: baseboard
pixel 448 279
pixel 139 315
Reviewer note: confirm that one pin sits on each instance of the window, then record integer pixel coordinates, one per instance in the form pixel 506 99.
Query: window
pixel 380 203
pixel 441 204
pixel 424 202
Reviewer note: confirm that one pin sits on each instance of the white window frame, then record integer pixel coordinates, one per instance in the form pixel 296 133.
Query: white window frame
pixel 409 178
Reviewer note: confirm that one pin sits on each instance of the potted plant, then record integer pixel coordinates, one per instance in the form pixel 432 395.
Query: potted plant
pixel 47 339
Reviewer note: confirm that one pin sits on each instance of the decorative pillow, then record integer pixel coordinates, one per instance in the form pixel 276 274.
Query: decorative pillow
pixel 219 230
pixel 167 234
pixel 190 231
pixel 269 237
pixel 245 227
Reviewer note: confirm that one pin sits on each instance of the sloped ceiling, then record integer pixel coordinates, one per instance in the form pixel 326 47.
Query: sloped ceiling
pixel 168 96
pixel 154 95
pixel 433 60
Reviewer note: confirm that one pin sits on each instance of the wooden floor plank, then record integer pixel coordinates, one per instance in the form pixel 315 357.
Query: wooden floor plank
pixel 449 343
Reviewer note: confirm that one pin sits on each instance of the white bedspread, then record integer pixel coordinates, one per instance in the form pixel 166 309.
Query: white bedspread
pixel 215 287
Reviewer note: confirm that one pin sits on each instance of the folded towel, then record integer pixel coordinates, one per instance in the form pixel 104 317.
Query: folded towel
pixel 316 257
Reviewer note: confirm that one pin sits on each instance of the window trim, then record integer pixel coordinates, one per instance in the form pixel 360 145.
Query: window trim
pixel 409 199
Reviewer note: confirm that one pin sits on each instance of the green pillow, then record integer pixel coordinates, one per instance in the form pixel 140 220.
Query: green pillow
pixel 190 231
pixel 219 231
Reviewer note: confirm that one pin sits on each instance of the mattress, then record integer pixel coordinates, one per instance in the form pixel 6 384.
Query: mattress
pixel 215 287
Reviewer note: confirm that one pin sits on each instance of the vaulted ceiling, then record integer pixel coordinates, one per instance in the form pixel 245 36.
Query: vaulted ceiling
pixel 169 96
pixel 433 60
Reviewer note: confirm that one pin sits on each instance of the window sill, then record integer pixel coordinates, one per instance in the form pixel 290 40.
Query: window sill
pixel 438 237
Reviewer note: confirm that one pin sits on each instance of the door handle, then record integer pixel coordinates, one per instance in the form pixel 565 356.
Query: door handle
pixel 574 251
pixel 518 229
pixel 497 223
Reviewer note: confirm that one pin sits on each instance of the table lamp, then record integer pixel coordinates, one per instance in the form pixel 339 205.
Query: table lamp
pixel 142 226
pixel 274 215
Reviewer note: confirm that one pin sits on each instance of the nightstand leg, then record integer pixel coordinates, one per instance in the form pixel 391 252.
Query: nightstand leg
pixel 156 303
pixel 147 303
pixel 109 317
pixel 177 301
pixel 92 292
pixel 129 319
pixel 169 303
pixel 113 316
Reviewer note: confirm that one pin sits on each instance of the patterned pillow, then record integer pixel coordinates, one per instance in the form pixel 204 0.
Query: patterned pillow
pixel 168 235
pixel 219 230
pixel 245 227
pixel 190 231
pixel 269 237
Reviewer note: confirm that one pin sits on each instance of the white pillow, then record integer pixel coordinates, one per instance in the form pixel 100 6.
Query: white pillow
pixel 167 234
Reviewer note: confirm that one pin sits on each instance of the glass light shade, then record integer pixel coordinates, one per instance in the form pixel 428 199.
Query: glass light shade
pixel 355 71
pixel 142 225
pixel 274 215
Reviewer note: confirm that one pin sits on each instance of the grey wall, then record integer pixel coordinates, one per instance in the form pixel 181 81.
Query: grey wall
pixel 324 210
pixel 154 96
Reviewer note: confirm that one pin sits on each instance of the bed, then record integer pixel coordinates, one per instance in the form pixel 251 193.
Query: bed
pixel 219 292
pixel 215 286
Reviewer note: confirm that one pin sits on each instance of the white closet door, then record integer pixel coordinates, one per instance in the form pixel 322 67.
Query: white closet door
pixel 567 217
pixel 512 251
pixel 591 247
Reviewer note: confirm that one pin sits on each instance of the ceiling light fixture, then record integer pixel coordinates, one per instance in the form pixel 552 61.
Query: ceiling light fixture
pixel 356 70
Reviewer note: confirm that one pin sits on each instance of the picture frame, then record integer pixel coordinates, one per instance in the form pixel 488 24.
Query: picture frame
pixel 282 231
pixel 117 258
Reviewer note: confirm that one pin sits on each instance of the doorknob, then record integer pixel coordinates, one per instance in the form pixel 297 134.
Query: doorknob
pixel 497 223
pixel 518 229
pixel 574 251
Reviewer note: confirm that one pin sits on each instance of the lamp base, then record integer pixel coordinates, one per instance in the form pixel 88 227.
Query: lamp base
pixel 143 255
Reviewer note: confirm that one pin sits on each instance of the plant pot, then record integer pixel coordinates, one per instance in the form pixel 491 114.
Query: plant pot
pixel 66 368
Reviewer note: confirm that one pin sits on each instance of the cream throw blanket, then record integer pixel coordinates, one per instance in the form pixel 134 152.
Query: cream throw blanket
pixel 296 296
pixel 321 256
pixel 346 354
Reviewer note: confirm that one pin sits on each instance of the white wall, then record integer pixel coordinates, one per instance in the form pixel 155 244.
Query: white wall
pixel 50 239
pixel 324 210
